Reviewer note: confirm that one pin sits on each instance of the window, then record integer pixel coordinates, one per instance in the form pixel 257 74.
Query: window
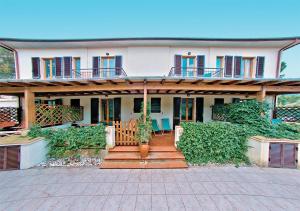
pixel 49 66
pixel 75 103
pixel 260 65
pixel 108 65
pixel 137 105
pixel 35 67
pixel 228 66
pixel 236 100
pixel 38 101
pixel 56 67
pixel 155 105
pixel 247 67
pixel 77 67
pixel 220 65
pixel 188 66
pixel 219 101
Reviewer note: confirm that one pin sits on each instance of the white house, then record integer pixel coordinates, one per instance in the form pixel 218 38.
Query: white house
pixel 180 77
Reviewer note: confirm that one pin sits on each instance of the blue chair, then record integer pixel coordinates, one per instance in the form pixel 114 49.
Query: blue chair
pixel 166 125
pixel 276 121
pixel 155 128
pixel 207 75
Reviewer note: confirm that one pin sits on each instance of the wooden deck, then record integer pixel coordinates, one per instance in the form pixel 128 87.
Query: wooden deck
pixel 162 154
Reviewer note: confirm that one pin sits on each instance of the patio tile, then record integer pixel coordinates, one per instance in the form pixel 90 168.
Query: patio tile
pixel 96 203
pixel 185 188
pixel 131 188
pixel 171 188
pixel 128 203
pixel 242 189
pixel 112 203
pixel 104 188
pixel 159 202
pixel 158 188
pixel 143 202
pixel 222 203
pixel 144 188
pixel 190 201
pixel 198 188
pixel 118 188
pixel 206 203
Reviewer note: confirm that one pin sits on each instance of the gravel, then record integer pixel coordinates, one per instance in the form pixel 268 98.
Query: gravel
pixel 71 162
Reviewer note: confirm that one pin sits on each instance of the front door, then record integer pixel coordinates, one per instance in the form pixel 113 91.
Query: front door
pixel 183 110
pixel 94 110
pixel 199 109
pixel 111 110
pixel 187 108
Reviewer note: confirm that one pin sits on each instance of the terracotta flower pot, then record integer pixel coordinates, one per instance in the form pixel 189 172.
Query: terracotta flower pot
pixel 144 150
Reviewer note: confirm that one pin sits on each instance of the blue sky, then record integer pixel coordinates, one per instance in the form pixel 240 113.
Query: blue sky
pixel 162 18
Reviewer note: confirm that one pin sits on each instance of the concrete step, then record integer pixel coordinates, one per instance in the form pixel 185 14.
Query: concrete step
pixel 137 156
pixel 148 164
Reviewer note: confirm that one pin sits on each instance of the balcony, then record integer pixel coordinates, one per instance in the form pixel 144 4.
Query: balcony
pixel 196 72
pixel 88 73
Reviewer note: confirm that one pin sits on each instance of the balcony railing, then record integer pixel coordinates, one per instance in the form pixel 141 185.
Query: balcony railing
pixel 92 73
pixel 198 72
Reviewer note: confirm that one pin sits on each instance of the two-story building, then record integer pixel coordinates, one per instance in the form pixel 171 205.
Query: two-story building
pixel 180 77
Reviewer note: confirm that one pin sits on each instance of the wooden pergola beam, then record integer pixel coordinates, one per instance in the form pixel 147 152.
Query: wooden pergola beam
pixel 152 86
pixel 180 81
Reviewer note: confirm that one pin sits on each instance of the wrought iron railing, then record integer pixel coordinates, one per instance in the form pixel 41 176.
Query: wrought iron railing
pixel 93 73
pixel 199 72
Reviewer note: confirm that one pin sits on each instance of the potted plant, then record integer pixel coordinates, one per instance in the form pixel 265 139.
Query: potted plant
pixel 143 134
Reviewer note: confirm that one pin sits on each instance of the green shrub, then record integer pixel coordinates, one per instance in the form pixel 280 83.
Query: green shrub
pixel 254 116
pixel 63 142
pixel 215 142
pixel 250 112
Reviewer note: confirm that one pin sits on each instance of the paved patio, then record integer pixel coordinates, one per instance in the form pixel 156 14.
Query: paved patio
pixel 218 188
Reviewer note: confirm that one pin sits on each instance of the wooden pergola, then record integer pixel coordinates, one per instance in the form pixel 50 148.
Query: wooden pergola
pixel 143 85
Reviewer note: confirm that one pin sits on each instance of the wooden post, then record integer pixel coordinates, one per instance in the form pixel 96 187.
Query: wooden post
pixel 261 95
pixel 145 102
pixel 29 108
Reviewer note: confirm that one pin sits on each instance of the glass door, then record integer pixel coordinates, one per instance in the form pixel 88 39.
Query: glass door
pixel 187 108
pixel 49 68
pixel 107 111
pixel 188 66
pixel 246 67
pixel 108 65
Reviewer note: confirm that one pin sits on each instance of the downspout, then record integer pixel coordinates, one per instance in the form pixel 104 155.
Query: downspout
pixel 17 71
pixel 295 42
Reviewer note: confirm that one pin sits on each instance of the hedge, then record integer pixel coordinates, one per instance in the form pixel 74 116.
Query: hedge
pixel 66 142
pixel 216 142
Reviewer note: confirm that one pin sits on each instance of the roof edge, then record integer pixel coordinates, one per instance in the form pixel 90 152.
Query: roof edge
pixel 151 38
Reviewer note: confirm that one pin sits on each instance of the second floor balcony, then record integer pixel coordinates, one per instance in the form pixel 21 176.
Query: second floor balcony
pixel 211 72
pixel 97 73
pixel 85 73
pixel 195 72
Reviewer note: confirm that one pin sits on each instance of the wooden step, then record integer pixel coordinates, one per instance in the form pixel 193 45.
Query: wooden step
pixel 150 164
pixel 136 149
pixel 137 156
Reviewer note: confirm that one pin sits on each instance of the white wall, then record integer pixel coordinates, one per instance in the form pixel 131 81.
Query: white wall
pixel 147 60
pixel 127 103
pixel 33 154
